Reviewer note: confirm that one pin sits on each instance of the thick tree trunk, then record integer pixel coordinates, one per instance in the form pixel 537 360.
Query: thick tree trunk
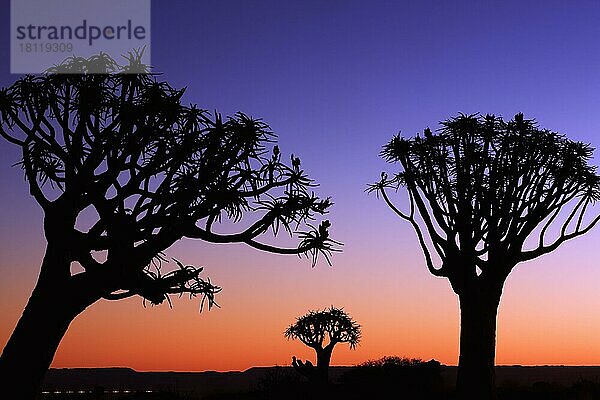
pixel 476 376
pixel 323 360
pixel 32 345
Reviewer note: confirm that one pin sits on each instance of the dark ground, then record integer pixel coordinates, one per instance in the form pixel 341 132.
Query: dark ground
pixel 514 382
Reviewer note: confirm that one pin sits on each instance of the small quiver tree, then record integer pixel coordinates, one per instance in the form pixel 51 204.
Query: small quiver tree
pixel 321 331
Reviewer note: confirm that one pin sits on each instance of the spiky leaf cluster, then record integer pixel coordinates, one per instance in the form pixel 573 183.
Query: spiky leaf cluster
pixel 332 325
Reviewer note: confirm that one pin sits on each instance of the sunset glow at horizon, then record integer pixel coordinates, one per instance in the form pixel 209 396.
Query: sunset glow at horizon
pixel 335 81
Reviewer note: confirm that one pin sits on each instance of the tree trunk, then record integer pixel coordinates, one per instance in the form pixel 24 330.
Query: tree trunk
pixel 476 376
pixel 323 360
pixel 29 351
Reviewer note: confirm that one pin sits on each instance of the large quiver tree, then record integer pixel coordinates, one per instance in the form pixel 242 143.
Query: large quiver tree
pixel 122 170
pixel 486 194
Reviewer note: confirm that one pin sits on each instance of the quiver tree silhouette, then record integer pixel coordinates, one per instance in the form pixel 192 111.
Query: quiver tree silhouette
pixel 121 152
pixel 321 331
pixel 486 195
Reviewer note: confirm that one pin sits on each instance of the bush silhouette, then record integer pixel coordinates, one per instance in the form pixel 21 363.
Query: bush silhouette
pixel 392 374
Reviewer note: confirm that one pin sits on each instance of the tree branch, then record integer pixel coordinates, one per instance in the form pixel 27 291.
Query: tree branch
pixel 410 218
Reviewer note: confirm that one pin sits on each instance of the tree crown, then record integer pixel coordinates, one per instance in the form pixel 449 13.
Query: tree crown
pixel 482 186
pixel 151 170
pixel 332 324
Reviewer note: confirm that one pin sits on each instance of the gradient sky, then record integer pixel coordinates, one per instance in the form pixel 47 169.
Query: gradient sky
pixel 335 80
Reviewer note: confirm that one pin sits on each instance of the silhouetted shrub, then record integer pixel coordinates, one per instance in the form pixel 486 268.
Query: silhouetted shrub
pixel 392 374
